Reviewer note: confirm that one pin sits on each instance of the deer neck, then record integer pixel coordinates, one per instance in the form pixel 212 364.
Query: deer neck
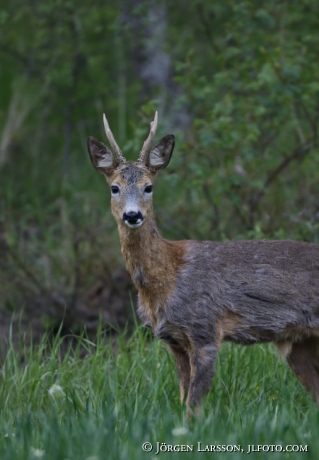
pixel 152 261
pixel 144 250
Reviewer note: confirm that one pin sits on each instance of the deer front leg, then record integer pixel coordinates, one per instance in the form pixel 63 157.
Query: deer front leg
pixel 202 364
pixel 183 369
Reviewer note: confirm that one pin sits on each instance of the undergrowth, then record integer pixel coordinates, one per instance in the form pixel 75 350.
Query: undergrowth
pixel 104 399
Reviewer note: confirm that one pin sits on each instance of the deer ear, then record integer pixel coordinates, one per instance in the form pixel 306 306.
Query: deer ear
pixel 161 153
pixel 101 156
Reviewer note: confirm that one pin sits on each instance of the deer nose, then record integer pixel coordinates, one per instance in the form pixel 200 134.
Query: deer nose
pixel 133 217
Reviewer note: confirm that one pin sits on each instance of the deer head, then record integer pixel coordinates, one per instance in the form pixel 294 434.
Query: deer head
pixel 131 182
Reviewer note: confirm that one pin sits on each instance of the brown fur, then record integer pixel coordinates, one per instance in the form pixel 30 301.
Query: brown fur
pixel 153 264
pixel 304 361
pixel 196 294
pixel 229 324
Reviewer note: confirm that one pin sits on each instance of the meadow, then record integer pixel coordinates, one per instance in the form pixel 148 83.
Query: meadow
pixel 103 400
pixel 238 86
pixel 70 397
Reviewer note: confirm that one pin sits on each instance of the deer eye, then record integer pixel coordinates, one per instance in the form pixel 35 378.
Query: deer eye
pixel 148 189
pixel 115 189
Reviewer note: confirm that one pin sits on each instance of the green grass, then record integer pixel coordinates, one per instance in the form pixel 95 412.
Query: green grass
pixel 106 404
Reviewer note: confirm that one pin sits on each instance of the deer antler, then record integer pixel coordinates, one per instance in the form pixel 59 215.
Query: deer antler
pixel 147 144
pixel 115 147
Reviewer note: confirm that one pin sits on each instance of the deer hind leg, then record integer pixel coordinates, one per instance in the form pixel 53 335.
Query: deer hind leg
pixel 202 362
pixel 303 358
pixel 183 370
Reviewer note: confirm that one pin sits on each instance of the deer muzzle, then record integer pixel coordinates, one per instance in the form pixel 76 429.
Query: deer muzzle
pixel 133 219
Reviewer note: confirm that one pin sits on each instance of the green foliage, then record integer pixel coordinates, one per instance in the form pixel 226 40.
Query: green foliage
pixel 244 76
pixel 249 81
pixel 120 395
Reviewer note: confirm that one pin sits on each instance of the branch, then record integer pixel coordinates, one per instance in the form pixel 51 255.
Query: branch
pixel 216 215
pixel 25 269
pixel 300 151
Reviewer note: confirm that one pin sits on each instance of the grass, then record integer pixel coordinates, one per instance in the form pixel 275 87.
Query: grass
pixel 106 404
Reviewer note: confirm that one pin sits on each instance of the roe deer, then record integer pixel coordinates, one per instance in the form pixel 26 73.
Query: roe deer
pixel 196 294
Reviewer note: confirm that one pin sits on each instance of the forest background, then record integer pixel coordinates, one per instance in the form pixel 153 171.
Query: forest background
pixel 237 82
